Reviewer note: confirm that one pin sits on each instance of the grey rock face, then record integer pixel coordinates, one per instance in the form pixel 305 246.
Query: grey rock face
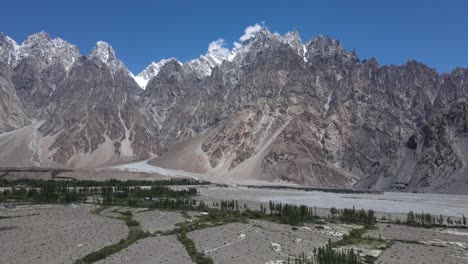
pixel 435 156
pixel 9 50
pixel 49 51
pixel 12 115
pixel 327 120
pixel 150 72
pixel 42 65
pixel 93 109
pixel 85 106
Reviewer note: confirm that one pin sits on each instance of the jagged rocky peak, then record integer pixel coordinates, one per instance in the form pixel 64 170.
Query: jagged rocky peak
pixel 252 42
pixel 104 53
pixel 37 39
pixel 48 50
pixel 263 34
pixel 8 50
pixel 214 57
pixel 263 38
pixel 172 67
pixel 201 67
pixel 294 40
pixel 217 53
pixel 325 47
pixel 150 72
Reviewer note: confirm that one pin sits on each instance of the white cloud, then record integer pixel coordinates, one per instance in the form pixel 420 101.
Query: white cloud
pixel 237 45
pixel 218 47
pixel 218 50
pixel 250 32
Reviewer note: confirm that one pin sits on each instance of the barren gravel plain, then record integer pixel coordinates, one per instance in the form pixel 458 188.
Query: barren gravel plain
pixel 55 234
pixel 261 241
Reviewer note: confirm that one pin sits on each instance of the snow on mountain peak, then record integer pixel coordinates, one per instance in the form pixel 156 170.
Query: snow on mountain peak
pixel 217 52
pixel 255 35
pixel 37 37
pixel 143 78
pixel 105 53
pixel 49 51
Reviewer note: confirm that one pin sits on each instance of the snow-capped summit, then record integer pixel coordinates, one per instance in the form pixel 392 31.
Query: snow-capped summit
pixel 214 57
pixel 40 46
pixel 255 39
pixel 150 72
pixel 37 38
pixel 201 67
pixel 217 53
pixel 105 53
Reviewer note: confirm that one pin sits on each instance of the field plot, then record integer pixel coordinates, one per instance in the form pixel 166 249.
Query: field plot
pixel 56 234
pixel 421 254
pixel 423 245
pixel 155 220
pixel 260 241
pixel 402 232
pixel 161 249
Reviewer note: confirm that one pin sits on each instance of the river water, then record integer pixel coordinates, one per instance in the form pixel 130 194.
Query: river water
pixel 389 202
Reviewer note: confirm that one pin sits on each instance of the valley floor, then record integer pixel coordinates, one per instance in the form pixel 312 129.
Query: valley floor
pixel 67 234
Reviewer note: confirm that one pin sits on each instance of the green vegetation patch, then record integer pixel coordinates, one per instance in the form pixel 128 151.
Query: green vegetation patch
pixel 197 257
pixel 134 234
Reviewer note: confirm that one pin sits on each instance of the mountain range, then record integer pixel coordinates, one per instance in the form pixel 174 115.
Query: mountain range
pixel 274 108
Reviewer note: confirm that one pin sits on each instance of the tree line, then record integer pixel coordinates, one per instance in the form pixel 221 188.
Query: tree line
pixel 120 195
pixel 428 220
pixel 353 216
pixel 39 183
pixel 328 255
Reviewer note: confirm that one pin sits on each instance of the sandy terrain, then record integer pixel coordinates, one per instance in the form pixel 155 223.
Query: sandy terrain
pixel 258 241
pixel 161 249
pixel 144 167
pixel 56 234
pixel 20 147
pixel 156 220
pixel 154 167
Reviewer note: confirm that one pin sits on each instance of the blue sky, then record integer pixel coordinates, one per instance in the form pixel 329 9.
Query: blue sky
pixel 432 32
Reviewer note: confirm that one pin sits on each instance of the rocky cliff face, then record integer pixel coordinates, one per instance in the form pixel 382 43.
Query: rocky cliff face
pixel 274 109
pixel 12 114
pixel 82 110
